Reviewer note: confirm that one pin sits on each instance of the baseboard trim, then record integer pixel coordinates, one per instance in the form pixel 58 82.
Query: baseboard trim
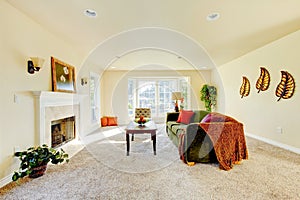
pixel 275 143
pixel 6 180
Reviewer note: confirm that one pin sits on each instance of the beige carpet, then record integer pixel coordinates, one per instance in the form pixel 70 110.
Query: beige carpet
pixel 103 171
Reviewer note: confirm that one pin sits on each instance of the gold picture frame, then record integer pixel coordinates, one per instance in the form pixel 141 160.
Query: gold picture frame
pixel 63 76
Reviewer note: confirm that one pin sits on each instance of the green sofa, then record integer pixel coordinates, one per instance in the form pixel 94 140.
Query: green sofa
pixel 197 146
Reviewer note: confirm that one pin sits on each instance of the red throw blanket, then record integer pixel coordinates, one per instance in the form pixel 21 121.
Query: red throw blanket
pixel 228 140
pixel 227 136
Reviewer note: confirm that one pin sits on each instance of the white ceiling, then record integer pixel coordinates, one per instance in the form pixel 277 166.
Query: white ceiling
pixel 243 26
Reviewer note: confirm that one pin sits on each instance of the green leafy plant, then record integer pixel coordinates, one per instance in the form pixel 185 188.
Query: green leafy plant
pixel 208 94
pixel 35 157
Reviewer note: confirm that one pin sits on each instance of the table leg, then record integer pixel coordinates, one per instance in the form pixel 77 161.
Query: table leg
pixel 127 143
pixel 153 137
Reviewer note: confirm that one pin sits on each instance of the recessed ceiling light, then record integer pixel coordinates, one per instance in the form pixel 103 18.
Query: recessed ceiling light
pixel 213 16
pixel 90 13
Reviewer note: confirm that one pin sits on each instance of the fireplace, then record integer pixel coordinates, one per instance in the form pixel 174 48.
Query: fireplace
pixel 56 112
pixel 62 131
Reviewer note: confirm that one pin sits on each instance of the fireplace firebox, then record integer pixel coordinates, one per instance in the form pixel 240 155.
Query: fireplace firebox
pixel 62 131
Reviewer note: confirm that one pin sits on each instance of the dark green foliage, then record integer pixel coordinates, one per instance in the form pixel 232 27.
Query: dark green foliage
pixel 37 156
pixel 208 94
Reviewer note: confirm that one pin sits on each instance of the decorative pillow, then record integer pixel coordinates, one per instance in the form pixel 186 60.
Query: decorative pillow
pixel 217 117
pixel 112 121
pixel 179 117
pixel 185 116
pixel 104 121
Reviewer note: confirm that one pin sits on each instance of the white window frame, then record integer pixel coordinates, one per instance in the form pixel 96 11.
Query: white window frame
pixel 94 97
pixel 135 98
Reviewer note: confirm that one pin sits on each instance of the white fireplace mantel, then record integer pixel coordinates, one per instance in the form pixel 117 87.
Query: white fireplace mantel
pixel 47 98
pixel 45 101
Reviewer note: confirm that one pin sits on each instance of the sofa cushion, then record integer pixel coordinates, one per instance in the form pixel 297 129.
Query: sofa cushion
pixel 185 116
pixel 199 115
pixel 170 124
pixel 177 128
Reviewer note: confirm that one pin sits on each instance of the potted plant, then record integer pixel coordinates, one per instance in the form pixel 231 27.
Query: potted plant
pixel 208 94
pixel 35 159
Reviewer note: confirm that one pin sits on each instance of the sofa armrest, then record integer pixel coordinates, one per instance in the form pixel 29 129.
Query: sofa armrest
pixel 172 116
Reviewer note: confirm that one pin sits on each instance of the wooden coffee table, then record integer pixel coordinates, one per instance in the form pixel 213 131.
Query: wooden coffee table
pixel 134 128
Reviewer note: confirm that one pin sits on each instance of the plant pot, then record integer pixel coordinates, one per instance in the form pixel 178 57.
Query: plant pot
pixel 38 171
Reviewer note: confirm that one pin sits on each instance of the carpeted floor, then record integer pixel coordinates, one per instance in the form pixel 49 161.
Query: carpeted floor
pixel 103 171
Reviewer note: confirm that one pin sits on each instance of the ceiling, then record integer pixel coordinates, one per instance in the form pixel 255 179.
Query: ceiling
pixel 150 58
pixel 243 26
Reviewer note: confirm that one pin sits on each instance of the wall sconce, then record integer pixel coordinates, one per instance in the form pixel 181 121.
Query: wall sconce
pixel 84 80
pixel 34 64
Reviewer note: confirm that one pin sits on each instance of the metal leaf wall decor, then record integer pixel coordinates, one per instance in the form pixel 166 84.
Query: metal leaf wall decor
pixel 285 89
pixel 263 81
pixel 245 87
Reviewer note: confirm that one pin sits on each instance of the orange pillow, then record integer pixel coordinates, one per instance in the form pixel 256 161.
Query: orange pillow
pixel 185 116
pixel 104 121
pixel 112 121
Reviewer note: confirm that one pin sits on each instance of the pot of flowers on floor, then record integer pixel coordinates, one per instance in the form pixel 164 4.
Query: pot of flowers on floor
pixel 34 161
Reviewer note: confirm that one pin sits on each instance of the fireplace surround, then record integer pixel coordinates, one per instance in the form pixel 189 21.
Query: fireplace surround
pixel 53 106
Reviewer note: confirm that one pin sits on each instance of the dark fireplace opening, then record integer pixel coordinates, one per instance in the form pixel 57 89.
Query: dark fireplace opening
pixel 62 131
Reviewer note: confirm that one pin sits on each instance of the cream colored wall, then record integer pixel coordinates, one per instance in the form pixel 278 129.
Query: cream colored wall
pixel 260 112
pixel 114 89
pixel 217 82
pixel 20 39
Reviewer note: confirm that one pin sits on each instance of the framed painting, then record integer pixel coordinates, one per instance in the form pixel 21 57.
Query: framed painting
pixel 63 76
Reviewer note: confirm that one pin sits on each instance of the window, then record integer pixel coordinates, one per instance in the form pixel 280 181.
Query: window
pixel 156 93
pixel 94 97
